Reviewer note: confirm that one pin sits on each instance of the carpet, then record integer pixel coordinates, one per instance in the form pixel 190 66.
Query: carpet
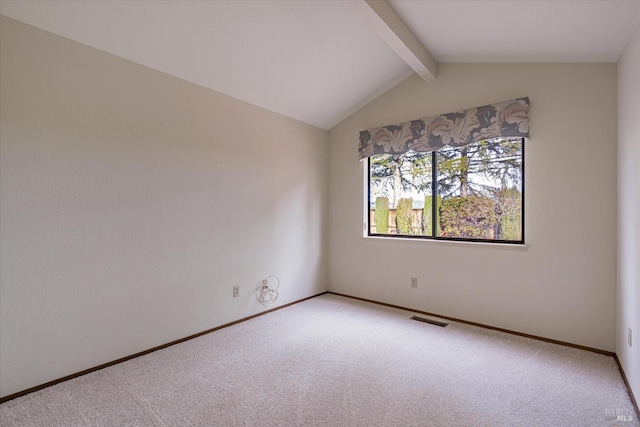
pixel 336 361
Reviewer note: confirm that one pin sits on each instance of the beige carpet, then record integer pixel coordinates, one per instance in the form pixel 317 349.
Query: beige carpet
pixel 334 361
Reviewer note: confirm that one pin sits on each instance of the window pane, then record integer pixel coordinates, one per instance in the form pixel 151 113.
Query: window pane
pixel 400 194
pixel 481 189
pixel 477 191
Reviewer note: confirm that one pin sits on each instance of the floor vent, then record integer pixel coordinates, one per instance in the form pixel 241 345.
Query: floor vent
pixel 432 322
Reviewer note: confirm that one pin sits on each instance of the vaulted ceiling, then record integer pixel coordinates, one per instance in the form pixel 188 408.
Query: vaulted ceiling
pixel 319 61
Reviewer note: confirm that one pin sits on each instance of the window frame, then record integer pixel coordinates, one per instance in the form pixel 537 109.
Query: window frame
pixel 434 206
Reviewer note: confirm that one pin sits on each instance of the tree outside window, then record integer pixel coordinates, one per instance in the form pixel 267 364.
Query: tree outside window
pixel 474 192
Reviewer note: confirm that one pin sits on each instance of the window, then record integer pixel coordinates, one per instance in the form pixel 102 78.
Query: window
pixel 469 193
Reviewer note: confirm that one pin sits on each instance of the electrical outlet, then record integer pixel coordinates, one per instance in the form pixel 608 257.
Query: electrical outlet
pixel 629 337
pixel 414 282
pixel 236 291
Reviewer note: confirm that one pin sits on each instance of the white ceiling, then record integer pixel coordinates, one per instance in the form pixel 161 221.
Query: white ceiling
pixel 318 61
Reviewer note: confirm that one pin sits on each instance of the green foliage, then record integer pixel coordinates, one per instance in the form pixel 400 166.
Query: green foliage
pixel 509 202
pixel 468 217
pixel 382 215
pixel 427 215
pixel 510 227
pixel 395 173
pixel 404 216
pixel 464 170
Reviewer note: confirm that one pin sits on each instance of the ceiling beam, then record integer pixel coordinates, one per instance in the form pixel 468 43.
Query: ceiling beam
pixel 395 33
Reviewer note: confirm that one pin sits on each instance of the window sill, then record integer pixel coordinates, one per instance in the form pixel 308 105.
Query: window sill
pixel 490 245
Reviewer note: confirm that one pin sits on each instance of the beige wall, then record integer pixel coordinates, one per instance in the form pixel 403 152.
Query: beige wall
pixel 563 286
pixel 628 307
pixel 132 202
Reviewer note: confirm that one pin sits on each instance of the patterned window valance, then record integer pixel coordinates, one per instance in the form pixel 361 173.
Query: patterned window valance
pixel 505 119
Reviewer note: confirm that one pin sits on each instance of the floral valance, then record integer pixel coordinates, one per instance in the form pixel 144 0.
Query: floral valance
pixel 505 119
